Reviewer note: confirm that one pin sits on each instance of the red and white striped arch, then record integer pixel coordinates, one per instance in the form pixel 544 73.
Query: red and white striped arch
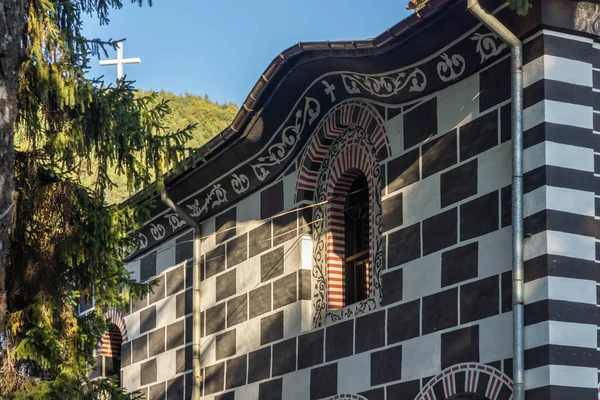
pixel 353 158
pixel 472 378
pixel 347 114
pixel 110 343
pixel 348 397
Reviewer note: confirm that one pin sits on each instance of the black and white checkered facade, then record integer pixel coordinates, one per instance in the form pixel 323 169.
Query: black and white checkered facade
pixel 441 323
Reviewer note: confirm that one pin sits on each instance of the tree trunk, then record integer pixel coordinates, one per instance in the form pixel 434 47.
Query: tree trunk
pixel 12 19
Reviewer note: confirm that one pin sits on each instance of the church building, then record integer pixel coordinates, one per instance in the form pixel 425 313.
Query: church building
pixel 355 223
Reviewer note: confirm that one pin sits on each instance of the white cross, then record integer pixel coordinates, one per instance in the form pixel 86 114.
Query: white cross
pixel 120 60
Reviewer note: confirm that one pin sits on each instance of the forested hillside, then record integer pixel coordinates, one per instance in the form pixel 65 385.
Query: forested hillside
pixel 209 117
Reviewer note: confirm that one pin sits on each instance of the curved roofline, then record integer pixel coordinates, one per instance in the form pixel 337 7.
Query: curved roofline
pixel 268 80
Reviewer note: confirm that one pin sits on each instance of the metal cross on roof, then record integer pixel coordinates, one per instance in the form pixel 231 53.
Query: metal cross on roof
pixel 120 61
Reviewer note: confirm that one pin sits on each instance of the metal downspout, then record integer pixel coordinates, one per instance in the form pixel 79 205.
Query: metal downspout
pixel 517 189
pixel 196 353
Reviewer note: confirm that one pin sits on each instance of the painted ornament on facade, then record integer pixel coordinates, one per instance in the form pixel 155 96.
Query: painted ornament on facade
pixel 471 378
pixel 385 85
pixel 451 68
pixel 587 17
pixel 488 45
pixel 174 221
pixel 240 183
pixel 355 149
pixel 277 153
pixel 394 87
pixel 216 197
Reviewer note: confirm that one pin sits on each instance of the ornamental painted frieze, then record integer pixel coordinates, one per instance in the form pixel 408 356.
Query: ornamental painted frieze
pixel 289 133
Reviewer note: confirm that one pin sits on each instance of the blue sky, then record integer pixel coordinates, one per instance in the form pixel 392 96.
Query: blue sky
pixel 221 47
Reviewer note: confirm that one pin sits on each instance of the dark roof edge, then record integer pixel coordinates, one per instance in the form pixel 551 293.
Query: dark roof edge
pixel 251 104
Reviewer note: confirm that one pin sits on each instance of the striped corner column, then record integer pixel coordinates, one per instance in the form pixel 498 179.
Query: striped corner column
pixel 559 209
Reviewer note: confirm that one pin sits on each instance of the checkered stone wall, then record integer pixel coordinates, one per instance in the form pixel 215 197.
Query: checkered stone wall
pixel 444 324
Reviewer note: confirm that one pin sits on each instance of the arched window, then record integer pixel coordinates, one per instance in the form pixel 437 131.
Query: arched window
pixel 356 246
pixel 109 356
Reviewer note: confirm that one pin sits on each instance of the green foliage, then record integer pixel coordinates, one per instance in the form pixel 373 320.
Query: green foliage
pixel 80 140
pixel 520 6
pixel 208 119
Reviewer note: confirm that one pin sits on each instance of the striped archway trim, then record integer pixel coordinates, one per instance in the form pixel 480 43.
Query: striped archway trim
pixel 115 335
pixel 110 344
pixel 471 378
pixel 115 317
pixel 348 397
pixel 347 114
pixel 352 159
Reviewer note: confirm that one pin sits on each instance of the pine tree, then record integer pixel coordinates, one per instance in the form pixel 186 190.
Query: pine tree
pixel 59 239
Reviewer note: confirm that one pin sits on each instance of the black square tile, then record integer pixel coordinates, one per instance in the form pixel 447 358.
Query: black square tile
pixel 148 372
pixel 386 365
pixel 403 171
pixel 284 228
pixel 460 264
pixel 420 123
pixel 271 328
pixel 175 334
pixel 156 342
pixel 479 135
pixel 259 365
pixel 215 261
pixel 260 301
pixel 403 321
pixel 226 285
pixel 439 154
pixel 183 359
pixel 370 331
pixel 175 388
pixel 392 286
pixel 391 212
pixel 157 392
pixel 184 249
pixel 139 347
pixel 440 311
pixel 271 264
pixel 271 200
pixel 461 345
pixel 494 85
pixel 323 381
pixel 404 245
pixel 215 319
pixel 284 357
pixel 284 290
pixel 339 341
pixel 408 390
pixel 440 231
pixel 237 310
pixel 271 390
pixel 458 183
pixel 236 372
pixel 304 284
pixel 157 291
pixel 479 216
pixel 259 239
pixel 125 354
pixel 175 281
pixel 225 344
pixel 214 378
pixel 479 299
pixel 225 225
pixel 148 266
pixel 310 349
pixel 189 329
pixel 148 319
pixel 237 250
